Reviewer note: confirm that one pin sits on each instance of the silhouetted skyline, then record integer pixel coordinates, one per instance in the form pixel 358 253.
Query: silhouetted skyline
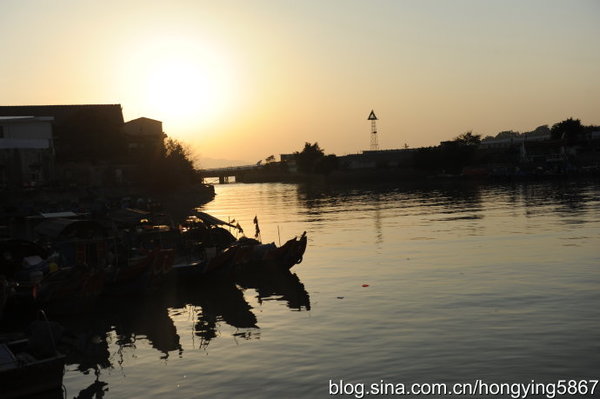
pixel 243 80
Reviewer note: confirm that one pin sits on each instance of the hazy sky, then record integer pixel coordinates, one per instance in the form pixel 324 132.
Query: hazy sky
pixel 246 79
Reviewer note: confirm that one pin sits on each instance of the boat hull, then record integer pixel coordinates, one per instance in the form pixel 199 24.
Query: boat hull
pixel 22 375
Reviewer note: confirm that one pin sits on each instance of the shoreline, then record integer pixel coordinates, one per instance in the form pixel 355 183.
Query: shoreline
pixel 401 177
pixel 176 203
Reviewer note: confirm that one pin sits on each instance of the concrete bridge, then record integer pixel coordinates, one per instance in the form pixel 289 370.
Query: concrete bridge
pixel 224 174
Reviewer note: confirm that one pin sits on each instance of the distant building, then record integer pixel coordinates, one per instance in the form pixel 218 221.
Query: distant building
pixel 26 151
pixel 145 137
pixel 290 161
pixel 377 159
pixel 507 142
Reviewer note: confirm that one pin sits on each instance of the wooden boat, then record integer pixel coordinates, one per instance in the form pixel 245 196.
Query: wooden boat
pixel 142 273
pixel 24 372
pixel 284 257
pixel 222 263
pixel 222 253
pixel 145 254
pixel 65 272
pixel 206 247
pixel 289 254
pixel 248 253
pixel 76 266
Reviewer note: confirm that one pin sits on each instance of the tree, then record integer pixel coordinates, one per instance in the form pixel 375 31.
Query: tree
pixel 270 159
pixel 178 155
pixel 569 129
pixel 308 157
pixel 507 134
pixel 173 169
pixel 543 129
pixel 312 159
pixel 468 138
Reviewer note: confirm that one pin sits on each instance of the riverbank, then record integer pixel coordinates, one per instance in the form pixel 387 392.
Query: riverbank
pixel 411 176
pixel 177 203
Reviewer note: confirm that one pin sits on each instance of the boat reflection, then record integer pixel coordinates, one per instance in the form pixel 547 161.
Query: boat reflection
pixel 95 391
pixel 278 285
pixel 108 337
pixel 213 301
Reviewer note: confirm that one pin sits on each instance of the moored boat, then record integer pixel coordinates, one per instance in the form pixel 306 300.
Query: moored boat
pixel 32 366
pixel 247 253
pixel 289 254
pixel 73 274
pixel 206 246
pixel 145 252
pixel 64 270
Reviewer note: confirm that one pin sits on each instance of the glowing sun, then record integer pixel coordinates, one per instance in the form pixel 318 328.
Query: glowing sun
pixel 187 91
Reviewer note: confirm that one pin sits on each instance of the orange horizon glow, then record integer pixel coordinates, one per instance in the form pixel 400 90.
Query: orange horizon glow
pixel 245 80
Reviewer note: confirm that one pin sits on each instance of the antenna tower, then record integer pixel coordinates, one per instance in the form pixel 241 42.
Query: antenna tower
pixel 373 119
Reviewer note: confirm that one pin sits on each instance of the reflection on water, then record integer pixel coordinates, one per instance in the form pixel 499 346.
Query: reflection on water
pixel 278 286
pixel 449 201
pixel 107 339
pixel 437 282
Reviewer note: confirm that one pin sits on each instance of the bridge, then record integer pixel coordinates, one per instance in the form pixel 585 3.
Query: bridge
pixel 224 174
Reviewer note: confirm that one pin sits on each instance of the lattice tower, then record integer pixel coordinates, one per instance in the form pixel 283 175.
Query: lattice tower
pixel 373 119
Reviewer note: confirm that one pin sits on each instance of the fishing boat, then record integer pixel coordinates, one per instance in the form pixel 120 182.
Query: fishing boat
pixel 206 246
pixel 17 276
pixel 283 257
pixel 23 374
pixel 243 253
pixel 74 272
pixel 64 269
pixel 26 370
pixel 144 254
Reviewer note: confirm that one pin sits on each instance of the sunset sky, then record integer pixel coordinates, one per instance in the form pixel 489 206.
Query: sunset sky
pixel 241 80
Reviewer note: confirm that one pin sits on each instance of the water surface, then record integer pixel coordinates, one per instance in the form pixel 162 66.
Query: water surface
pixel 447 283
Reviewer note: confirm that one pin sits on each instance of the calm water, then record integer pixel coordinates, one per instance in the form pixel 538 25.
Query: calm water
pixel 495 282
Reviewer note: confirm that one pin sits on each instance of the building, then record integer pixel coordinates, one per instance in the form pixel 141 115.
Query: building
pixel 518 139
pixel 290 161
pixel 81 132
pixel 145 137
pixel 26 151
pixel 382 159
